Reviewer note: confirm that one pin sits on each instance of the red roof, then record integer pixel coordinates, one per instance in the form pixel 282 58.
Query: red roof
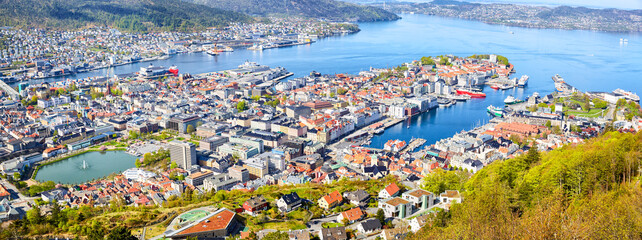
pixel 392 189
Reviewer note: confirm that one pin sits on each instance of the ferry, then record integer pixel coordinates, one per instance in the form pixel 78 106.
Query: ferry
pixel 512 100
pixel 213 52
pixel 445 102
pixel 173 70
pixel 522 81
pixel 474 93
pixel 558 79
pixel 495 111
pixel 628 95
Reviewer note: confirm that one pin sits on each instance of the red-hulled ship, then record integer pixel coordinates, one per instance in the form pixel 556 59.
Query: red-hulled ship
pixel 471 92
pixel 173 70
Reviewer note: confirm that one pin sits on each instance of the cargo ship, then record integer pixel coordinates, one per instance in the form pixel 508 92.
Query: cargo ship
pixel 473 93
pixel 495 111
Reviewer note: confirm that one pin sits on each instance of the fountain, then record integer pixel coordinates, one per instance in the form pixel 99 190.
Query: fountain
pixel 84 164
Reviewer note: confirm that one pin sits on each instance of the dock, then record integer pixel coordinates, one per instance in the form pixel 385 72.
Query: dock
pixel 414 144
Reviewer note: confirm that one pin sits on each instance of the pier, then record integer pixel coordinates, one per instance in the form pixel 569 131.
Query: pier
pixel 414 144
pixel 10 91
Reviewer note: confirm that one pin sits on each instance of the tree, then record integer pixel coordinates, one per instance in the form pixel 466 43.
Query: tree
pixel 345 222
pixel 173 165
pixel 533 154
pixel 381 216
pixel 427 61
pixel 441 180
pixel 241 106
pixel 190 128
pixel 33 216
pixel 133 134
pixel 120 233
pixel 138 163
pixel 16 176
pixel 278 235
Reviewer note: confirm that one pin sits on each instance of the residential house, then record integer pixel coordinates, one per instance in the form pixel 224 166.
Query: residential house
pixel 369 226
pixel 352 215
pixel 421 199
pixel 289 202
pixel 358 197
pixel 255 204
pixel 391 190
pixel 396 207
pixel 217 225
pixel 302 234
pixel 335 233
pixel 450 196
pixel 418 222
pixel 331 200
pixel 394 234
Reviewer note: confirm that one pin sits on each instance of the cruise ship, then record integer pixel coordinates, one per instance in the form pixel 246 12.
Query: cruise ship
pixel 628 95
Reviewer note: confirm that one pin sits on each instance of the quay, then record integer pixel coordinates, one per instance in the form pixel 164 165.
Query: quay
pixel 414 144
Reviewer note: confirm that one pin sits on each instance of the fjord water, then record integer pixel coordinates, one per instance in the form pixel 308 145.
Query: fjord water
pixel 588 60
pixel 96 165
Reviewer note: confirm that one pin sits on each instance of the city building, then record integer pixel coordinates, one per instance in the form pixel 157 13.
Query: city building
pixel 183 154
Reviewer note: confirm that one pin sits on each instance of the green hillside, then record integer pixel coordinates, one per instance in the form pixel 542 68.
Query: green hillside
pixel 329 9
pixel 589 191
pixel 132 15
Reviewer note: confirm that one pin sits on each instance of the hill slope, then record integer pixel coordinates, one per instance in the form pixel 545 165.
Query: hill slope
pixel 133 15
pixel 330 9
pixel 590 191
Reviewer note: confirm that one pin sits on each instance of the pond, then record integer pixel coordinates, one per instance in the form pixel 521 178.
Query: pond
pixel 86 167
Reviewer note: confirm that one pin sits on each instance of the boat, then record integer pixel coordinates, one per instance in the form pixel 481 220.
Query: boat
pixel 628 95
pixel 512 100
pixel 443 102
pixel 522 81
pixel 473 93
pixel 495 111
pixel 494 87
pixel 378 131
pixel 213 52
pixel 173 70
pixel 505 87
pixel 558 79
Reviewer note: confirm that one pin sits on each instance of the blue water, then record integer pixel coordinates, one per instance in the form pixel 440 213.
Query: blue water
pixel 99 165
pixel 591 61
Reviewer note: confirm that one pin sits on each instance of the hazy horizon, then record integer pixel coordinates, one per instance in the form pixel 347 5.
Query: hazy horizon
pixel 620 4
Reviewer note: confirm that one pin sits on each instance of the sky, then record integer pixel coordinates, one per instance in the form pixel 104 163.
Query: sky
pixel 622 4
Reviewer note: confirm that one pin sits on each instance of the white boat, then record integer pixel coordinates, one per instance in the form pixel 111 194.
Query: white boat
pixel 512 100
pixel 495 111
pixel 522 81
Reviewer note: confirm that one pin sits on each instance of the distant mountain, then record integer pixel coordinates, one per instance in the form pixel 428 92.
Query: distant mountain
pixel 132 15
pixel 329 9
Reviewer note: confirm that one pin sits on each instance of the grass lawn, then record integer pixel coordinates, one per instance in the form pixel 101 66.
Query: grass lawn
pixel 151 232
pixel 594 112
pixel 299 215
pixel 331 225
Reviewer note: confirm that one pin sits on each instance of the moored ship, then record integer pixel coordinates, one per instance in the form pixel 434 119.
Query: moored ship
pixel 512 100
pixel 474 93
pixel 522 81
pixel 495 111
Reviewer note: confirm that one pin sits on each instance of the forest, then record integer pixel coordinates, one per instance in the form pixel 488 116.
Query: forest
pixel 588 191
pixel 126 15
pixel 328 9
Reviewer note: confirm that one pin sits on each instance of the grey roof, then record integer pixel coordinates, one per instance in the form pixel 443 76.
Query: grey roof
pixel 371 224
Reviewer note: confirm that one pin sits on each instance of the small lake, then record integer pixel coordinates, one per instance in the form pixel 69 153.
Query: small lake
pixel 96 165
